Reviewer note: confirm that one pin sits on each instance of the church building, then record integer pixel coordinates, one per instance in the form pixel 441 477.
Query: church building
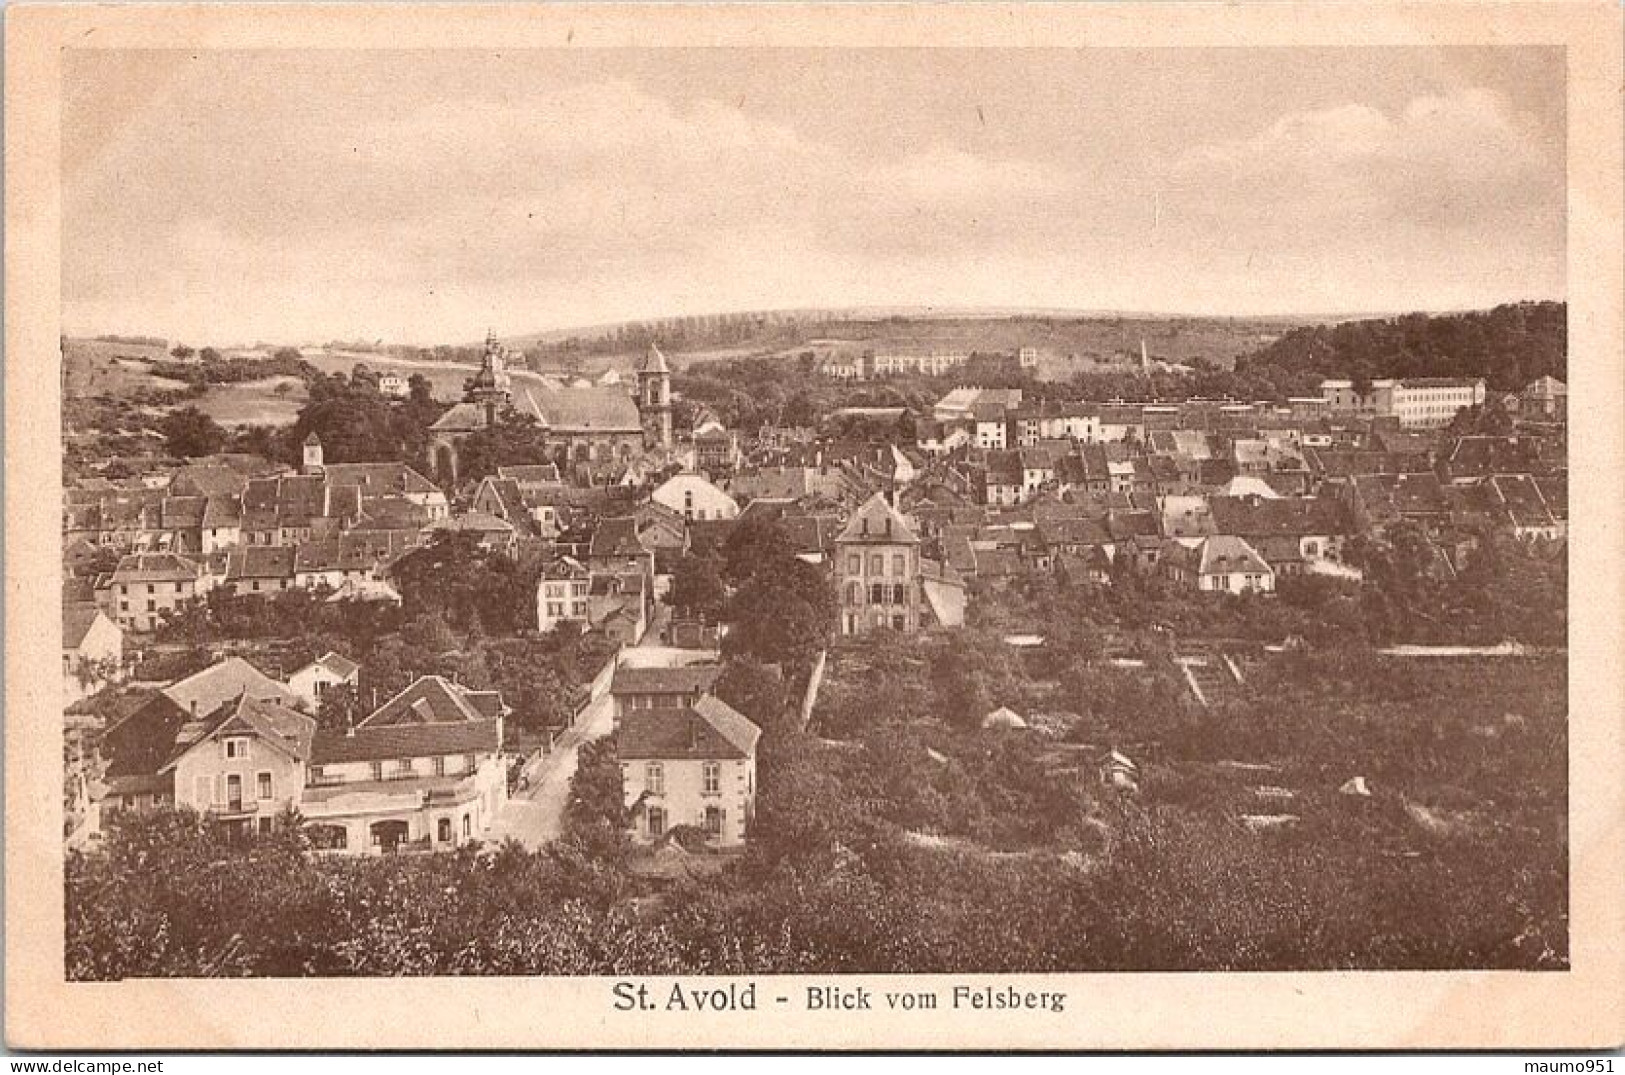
pixel 592 425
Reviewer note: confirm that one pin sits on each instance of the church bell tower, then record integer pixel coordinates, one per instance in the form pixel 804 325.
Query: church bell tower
pixel 654 398
pixel 491 388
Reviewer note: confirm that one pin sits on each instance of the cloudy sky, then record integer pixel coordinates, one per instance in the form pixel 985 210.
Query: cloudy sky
pixel 423 196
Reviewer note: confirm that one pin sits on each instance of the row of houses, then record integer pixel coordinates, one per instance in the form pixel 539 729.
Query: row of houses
pixel 425 769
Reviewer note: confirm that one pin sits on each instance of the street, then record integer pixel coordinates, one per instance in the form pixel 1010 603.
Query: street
pixel 534 814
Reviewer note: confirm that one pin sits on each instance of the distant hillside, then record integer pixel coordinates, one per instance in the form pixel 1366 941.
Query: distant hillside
pixel 1508 346
pixel 1067 342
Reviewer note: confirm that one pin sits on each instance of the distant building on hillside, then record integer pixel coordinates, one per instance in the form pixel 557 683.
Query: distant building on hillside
pixel 1418 402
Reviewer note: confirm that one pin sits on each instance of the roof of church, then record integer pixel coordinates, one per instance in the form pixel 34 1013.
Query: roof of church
pixel 595 409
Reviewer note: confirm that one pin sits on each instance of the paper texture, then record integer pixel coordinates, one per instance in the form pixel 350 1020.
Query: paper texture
pixel 1581 1006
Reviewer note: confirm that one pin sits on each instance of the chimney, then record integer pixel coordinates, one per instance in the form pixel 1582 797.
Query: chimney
pixel 194 708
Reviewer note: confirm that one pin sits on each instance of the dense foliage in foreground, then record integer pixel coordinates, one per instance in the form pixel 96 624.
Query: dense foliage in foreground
pixel 917 847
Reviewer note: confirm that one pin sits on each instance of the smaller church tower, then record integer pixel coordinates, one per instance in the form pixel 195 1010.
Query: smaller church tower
pixel 313 454
pixel 491 388
pixel 654 398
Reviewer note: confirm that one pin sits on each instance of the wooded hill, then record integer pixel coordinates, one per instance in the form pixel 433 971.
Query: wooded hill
pixel 1508 346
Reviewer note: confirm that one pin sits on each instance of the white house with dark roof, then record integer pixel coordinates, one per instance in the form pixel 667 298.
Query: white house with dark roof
pixel 425 769
pixel 1221 564
pixel 690 765
pixel 146 586
pixel 318 677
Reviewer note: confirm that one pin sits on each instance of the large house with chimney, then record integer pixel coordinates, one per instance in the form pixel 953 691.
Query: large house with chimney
pixel 882 581
pixel 692 765
pixel 424 770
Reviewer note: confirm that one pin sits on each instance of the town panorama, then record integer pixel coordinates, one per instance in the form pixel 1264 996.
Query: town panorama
pixel 820 641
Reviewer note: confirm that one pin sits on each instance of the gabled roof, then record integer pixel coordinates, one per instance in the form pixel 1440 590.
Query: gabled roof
pixel 429 700
pixel 877 522
pixel 509 500
pixel 383 743
pixel 225 681
pixel 154 567
pixel 461 418
pixel 375 479
pixel 144 739
pixel 596 409
pixel 263 561
pixel 207 479
pixel 279 726
pixel 1251 516
pixel 685 679
pixel 709 729
pixel 473 522
pixel 336 663
pixel 1224 555
pixel 617 537
pixel 77 618
pixel 531 473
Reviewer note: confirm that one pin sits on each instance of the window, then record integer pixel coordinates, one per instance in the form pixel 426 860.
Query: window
pixel 654 778
pixel 657 821
pixel 317 774
pixel 468 763
pixel 897 562
pixel 236 748
pixel 877 593
pixel 403 767
pixel 377 768
pixel 711 774
pixel 151 588
pixel 124 590
pixel 897 595
pixel 877 564
pixel 854 593
pixel 265 786
pixel 177 587
pixel 234 791
pixel 854 565
pixel 443 830
pixel 152 606
pixel 468 826
pixel 713 821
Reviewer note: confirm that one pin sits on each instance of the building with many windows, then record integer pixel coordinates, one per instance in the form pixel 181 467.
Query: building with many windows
pixel 689 765
pixel 1418 402
pixel 877 571
pixel 423 770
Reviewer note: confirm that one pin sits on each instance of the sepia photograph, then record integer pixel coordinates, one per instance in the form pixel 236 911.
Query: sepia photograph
pixel 706 512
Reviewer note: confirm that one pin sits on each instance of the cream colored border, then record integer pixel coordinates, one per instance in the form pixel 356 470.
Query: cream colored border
pixel 1484 1010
